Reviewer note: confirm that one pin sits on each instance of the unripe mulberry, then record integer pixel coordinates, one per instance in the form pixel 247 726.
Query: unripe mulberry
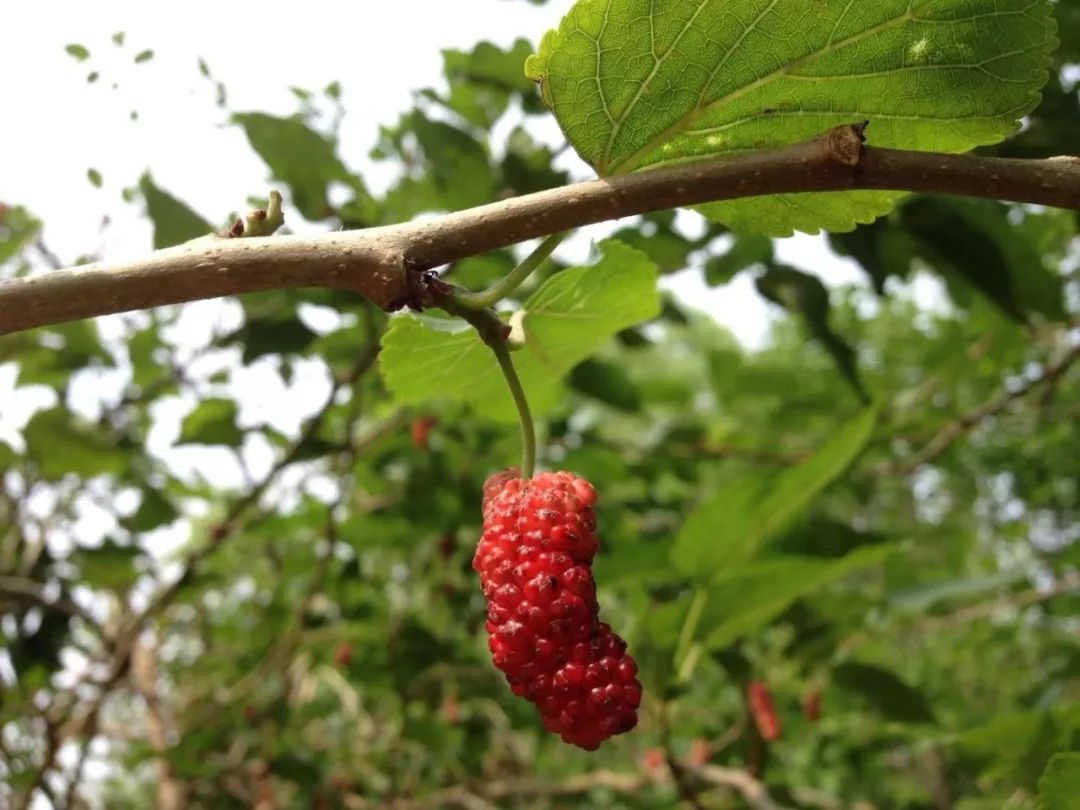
pixel 534 561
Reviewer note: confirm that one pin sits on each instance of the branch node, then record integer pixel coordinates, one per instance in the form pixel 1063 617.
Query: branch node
pixel 844 143
pixel 259 222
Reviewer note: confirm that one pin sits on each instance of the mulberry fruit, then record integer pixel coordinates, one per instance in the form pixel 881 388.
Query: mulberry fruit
pixel 534 561
pixel 763 710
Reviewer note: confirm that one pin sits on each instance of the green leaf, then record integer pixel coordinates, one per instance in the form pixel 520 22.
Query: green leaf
pixel 280 333
pixel 749 597
pixel 458 162
pixel 745 251
pixel 144 56
pixel 58 443
pixel 78 52
pixel 94 176
pixel 635 85
pixel 111 566
pixel 974 240
pixel 566 320
pixel 1059 786
pixel 805 295
pixel 154 510
pixel 884 692
pixel 728 528
pixel 300 157
pixel 174 222
pixel 212 422
pixel 17 229
pixel 607 383
pixel 482 81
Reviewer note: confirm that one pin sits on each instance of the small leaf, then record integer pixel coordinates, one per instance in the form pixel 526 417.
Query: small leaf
pixel 212 422
pixel 607 383
pixel 174 222
pixel 154 510
pixel 300 157
pixel 77 52
pixel 94 176
pixel 566 320
pixel 58 443
pixel 1059 786
pixel 282 333
pixel 111 566
pixel 118 39
pixel 805 295
pixel 728 528
pixel 745 251
pixel 144 56
pixel 884 692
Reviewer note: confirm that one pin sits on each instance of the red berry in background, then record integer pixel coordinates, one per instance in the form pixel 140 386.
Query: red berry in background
pixel 652 760
pixel 759 699
pixel 534 561
pixel 811 706
pixel 342 654
pixel 451 711
pixel 419 430
pixel 699 753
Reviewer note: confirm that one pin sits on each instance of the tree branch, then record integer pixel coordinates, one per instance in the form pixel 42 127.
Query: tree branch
pixel 386 264
pixel 1050 376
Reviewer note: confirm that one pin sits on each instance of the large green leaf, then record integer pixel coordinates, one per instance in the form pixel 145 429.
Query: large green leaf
pixel 729 527
pixel 1059 786
pixel 565 321
pixel 751 596
pixel 636 84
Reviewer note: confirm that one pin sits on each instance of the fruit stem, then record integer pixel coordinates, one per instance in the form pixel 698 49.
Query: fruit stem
pixel 510 282
pixel 528 430
pixel 494 332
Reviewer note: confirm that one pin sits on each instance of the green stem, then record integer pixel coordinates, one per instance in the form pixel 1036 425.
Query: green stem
pixel 510 282
pixel 494 332
pixel 528 431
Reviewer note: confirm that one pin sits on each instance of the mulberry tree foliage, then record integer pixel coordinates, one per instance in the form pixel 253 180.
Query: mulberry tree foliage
pixel 869 525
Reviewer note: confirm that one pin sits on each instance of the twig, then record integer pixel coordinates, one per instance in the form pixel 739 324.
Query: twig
pixel 387 264
pixel 1067 584
pixel 29 592
pixel 127 637
pixel 170 792
pixel 967 422
pixel 751 790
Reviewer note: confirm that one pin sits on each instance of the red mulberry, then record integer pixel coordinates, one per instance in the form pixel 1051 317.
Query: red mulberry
pixel 763 710
pixel 534 561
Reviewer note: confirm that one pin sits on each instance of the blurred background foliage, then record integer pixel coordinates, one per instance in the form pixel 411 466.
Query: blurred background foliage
pixel 904 579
